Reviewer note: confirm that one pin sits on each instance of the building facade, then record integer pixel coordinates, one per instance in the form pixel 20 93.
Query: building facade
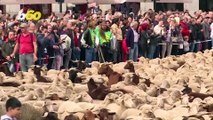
pixel 192 6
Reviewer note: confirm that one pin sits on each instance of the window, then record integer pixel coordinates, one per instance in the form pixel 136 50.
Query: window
pixel 169 6
pixel 206 5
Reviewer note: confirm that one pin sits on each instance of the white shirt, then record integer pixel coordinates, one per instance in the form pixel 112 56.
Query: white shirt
pixel 158 29
pixel 6 117
pixel 67 43
pixel 211 27
pixel 136 36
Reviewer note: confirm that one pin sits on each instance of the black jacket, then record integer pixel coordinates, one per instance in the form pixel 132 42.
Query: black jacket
pixel 87 38
pixel 71 34
pixel 199 34
pixel 130 38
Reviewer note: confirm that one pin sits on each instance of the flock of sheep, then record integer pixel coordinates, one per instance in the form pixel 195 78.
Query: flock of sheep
pixel 173 88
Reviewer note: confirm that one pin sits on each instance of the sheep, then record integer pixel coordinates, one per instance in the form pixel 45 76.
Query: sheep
pixel 131 78
pixel 80 87
pixel 81 65
pixel 71 117
pixel 81 97
pixel 68 107
pixel 115 108
pixel 50 116
pixel 130 67
pixel 100 92
pixel 104 114
pixel 5 69
pixel 32 113
pixel 114 77
pixel 130 112
pixel 96 92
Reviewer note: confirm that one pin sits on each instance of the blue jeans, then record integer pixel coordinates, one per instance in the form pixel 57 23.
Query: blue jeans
pixel 66 59
pixel 76 53
pixel 192 46
pixel 90 55
pixel 133 54
pixel 197 47
pixel 151 53
pixel 212 42
pixel 41 62
pixel 26 60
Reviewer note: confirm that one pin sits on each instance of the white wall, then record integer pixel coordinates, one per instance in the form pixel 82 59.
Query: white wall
pixel 56 8
pixel 145 6
pixel 105 7
pixel 192 7
pixel 12 9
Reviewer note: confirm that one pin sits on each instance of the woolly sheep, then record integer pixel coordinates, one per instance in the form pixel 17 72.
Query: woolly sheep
pixel 68 107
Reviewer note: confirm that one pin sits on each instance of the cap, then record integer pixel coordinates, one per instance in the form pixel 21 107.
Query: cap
pixel 23 25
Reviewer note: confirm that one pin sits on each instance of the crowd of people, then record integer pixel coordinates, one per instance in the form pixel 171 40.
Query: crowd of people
pixel 105 37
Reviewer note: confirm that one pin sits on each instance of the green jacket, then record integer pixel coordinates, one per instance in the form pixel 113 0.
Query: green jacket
pixel 108 35
pixel 7 49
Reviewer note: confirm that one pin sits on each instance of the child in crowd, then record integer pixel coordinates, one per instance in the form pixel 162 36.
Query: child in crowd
pixel 13 108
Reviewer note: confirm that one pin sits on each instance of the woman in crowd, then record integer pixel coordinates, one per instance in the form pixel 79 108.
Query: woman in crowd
pixel 144 38
pixel 117 34
pixel 103 36
pixel 170 37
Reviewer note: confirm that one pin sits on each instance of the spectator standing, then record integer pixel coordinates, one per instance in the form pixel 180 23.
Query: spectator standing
pixel 70 31
pixel 51 46
pixel 199 34
pixel 59 52
pixel 192 38
pixel 184 27
pixel 104 36
pixel 144 37
pixel 117 33
pixel 89 38
pixel 167 48
pixel 76 48
pixel 206 32
pixel 211 35
pixel 1 41
pixel 66 42
pixel 41 45
pixel 7 49
pixel 26 43
pixel 155 37
pixel 132 38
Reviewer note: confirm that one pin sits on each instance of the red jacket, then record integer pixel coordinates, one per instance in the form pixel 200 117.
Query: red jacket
pixel 185 29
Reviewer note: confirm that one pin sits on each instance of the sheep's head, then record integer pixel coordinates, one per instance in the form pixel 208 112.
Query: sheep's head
pixel 82 97
pixel 104 69
pixel 129 66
